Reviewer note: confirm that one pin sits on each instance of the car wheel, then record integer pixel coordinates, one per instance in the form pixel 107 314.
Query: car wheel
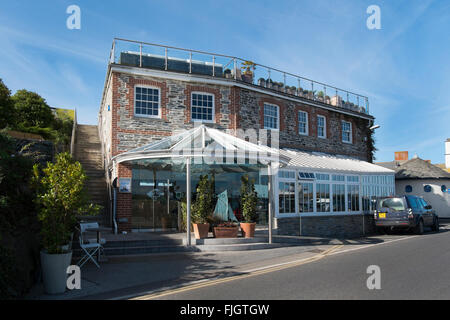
pixel 419 227
pixel 436 224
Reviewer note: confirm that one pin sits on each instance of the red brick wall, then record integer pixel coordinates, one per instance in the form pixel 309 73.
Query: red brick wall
pixel 124 200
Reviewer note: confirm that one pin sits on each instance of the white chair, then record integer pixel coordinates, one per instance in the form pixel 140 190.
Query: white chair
pixel 91 225
pixel 90 249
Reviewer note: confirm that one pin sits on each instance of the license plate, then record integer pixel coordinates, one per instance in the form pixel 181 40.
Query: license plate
pixel 382 215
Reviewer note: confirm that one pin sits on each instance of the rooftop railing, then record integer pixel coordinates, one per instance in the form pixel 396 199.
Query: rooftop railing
pixel 156 56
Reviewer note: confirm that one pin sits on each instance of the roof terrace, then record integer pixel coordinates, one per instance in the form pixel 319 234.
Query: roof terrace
pixel 167 58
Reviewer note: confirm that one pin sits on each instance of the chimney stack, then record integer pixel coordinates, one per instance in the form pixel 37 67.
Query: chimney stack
pixel 401 155
pixel 447 153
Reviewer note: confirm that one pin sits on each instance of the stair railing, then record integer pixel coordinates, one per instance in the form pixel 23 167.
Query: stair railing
pixel 74 128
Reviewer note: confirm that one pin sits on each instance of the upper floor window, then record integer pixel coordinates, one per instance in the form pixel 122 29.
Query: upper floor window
pixel 346 131
pixel 202 107
pixel 147 102
pixel 303 122
pixel 271 116
pixel 321 127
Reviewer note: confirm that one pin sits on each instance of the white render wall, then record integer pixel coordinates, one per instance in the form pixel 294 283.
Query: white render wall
pixel 440 201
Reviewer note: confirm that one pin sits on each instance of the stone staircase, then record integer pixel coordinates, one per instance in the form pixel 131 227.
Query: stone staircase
pixel 89 153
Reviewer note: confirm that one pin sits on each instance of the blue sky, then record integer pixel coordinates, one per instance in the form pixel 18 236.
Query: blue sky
pixel 403 68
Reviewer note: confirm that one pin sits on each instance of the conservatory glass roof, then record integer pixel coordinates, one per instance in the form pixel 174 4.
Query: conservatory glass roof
pixel 206 142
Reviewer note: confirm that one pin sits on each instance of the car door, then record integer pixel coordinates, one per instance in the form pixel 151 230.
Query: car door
pixel 427 213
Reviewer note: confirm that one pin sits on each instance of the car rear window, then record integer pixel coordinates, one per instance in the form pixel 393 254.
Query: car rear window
pixel 395 204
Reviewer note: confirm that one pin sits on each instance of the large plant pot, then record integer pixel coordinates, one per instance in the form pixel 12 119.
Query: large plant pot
pixel 248 229
pixel 226 232
pixel 54 271
pixel 201 230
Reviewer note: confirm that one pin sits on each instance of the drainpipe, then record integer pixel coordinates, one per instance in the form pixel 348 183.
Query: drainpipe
pixel 270 198
pixel 114 205
pixel 188 201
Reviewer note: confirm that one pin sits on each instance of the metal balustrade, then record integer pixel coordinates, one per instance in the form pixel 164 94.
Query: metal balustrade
pixel 168 58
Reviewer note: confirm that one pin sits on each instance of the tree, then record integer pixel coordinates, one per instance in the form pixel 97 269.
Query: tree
pixel 61 196
pixel 203 205
pixel 6 106
pixel 249 199
pixel 31 110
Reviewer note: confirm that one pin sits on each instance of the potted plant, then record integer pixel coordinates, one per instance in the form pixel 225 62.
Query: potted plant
pixel 291 90
pixel 320 95
pixel 202 207
pixel 60 198
pixel 228 74
pixel 226 230
pixel 249 201
pixel 261 82
pixel 248 67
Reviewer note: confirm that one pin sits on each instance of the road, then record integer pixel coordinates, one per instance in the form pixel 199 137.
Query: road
pixel 412 267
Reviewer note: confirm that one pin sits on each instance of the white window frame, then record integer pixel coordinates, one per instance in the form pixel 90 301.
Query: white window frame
pixel 350 131
pixel 324 127
pixel 306 123
pixel 213 106
pixel 278 116
pixel 159 102
pixel 287 180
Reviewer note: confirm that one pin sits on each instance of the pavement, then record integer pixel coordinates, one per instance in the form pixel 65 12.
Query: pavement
pixel 161 275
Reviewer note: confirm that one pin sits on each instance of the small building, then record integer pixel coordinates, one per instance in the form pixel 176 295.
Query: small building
pixel 169 115
pixel 419 177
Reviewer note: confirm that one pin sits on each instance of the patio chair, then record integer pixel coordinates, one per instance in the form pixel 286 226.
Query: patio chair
pixel 91 225
pixel 90 249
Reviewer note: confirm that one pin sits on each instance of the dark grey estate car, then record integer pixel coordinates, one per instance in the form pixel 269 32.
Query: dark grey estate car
pixel 411 212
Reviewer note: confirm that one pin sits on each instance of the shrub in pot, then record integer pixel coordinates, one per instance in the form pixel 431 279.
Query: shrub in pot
pixel 202 207
pixel 226 230
pixel 228 74
pixel 60 198
pixel 249 201
pixel 248 67
pixel 261 82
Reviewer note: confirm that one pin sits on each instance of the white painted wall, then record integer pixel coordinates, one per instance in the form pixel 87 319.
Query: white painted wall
pixel 439 200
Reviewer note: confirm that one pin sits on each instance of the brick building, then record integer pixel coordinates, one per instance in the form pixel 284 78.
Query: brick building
pixel 153 92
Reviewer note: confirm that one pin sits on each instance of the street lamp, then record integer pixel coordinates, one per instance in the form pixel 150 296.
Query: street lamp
pixel 374 127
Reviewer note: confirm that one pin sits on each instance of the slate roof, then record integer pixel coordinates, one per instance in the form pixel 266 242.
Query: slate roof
pixel 415 169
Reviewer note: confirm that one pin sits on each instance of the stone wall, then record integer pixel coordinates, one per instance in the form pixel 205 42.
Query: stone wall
pixel 235 108
pixel 130 131
pixel 252 103
pixel 343 226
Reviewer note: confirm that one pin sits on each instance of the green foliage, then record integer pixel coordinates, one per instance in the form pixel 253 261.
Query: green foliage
pixel 203 205
pixel 27 111
pixel 8 272
pixel 371 149
pixel 320 94
pixel 6 106
pixel 249 199
pixel 31 110
pixel 61 196
pixel 248 66
pixel 16 198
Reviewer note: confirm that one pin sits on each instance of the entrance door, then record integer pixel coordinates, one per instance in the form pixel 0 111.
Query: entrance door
pixel 154 205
